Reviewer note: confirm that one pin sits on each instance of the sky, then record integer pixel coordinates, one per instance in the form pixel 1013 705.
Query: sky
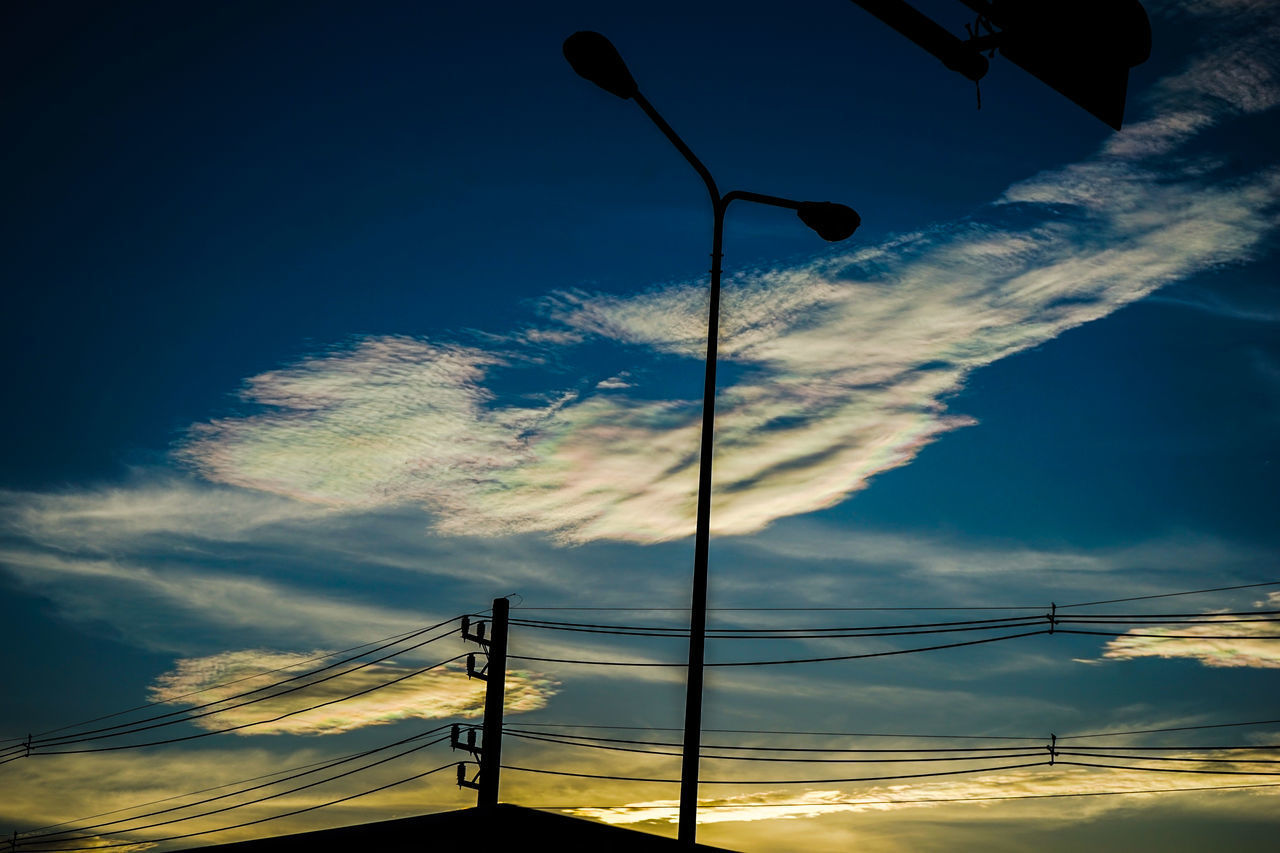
pixel 326 324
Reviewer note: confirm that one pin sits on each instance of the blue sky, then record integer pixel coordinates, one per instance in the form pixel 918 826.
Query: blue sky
pixel 324 325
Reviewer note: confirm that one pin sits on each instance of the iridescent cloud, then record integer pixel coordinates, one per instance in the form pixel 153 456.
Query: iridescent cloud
pixel 1244 644
pixel 436 694
pixel 845 362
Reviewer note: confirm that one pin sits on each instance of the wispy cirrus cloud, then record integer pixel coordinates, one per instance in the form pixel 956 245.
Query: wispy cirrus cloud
pixel 1034 783
pixel 436 694
pixel 114 792
pixel 845 363
pixel 155 603
pixel 1220 642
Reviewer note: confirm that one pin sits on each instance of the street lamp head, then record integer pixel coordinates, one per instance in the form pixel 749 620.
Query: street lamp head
pixel 594 57
pixel 832 222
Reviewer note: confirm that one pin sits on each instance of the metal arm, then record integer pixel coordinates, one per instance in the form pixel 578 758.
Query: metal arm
pixel 674 138
pixel 930 35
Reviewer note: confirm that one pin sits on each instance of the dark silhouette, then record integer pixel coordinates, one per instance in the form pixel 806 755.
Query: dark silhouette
pixel 494 674
pixel 1082 48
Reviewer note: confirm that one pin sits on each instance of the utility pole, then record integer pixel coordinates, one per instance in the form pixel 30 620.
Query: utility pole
pixel 494 674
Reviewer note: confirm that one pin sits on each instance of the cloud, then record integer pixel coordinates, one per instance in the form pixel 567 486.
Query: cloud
pixel 68 788
pixel 176 563
pixel 158 508
pixel 436 694
pixel 386 419
pixel 1246 646
pixel 981 791
pixel 622 380
pixel 843 366
pixel 1221 306
pixel 154 602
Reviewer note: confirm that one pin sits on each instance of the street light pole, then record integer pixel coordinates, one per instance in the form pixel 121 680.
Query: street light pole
pixel 596 59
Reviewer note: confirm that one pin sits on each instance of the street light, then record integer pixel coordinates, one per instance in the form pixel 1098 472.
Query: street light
pixel 595 58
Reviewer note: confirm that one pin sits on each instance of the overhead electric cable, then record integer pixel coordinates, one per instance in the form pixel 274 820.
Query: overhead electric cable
pixel 1172 729
pixel 787 661
pixel 1170 636
pixel 132 728
pixel 802 633
pixel 394 637
pixel 1038 738
pixel 849 633
pixel 1174 769
pixel 324 765
pixel 1170 594
pixel 789 609
pixel 897 609
pixel 710 630
pixel 928 800
pixel 259 820
pixel 1002 756
pixel 184 714
pixel 1211 620
pixel 284 772
pixel 781 781
pixel 891 630
pixel 1262 747
pixel 966 749
pixel 1186 758
pixel 28 842
pixel 249 724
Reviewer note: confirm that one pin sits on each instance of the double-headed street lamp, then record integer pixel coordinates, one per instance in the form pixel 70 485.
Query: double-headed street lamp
pixel 596 59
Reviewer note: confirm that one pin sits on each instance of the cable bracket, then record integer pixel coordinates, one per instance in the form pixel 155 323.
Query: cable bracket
pixel 983 36
pixel 472 672
pixel 478 637
pixel 463 781
pixel 470 746
pixel 1052 748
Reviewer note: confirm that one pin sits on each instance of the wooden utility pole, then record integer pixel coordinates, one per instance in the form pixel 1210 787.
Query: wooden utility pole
pixel 494 674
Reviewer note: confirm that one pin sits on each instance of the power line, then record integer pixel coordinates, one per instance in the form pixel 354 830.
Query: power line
pixel 1171 636
pixel 1214 616
pixel 783 781
pixel 1037 738
pixel 928 800
pixel 862 632
pixel 1261 747
pixel 249 724
pixel 396 637
pixel 899 609
pixel 36 840
pixel 1173 729
pixel 1174 769
pixel 787 634
pixel 184 715
pixel 684 632
pixel 824 750
pixel 259 820
pixel 1172 757
pixel 791 660
pixel 599 742
pixel 1171 594
pixel 969 757
pixel 32 835
pixel 1009 621
pixel 287 770
pixel 786 609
